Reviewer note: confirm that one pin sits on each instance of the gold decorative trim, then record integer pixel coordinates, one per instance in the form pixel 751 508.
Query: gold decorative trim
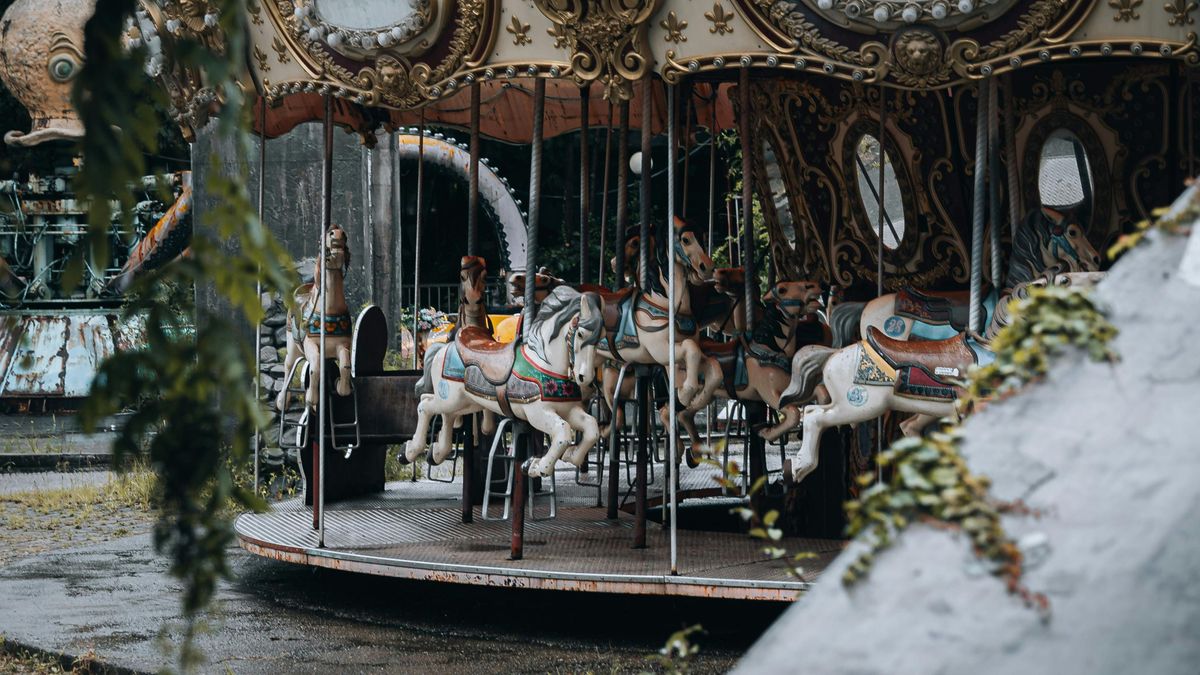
pixel 281 50
pixel 674 26
pixel 720 19
pixel 261 58
pixel 1180 11
pixel 608 40
pixel 1126 9
pixel 519 31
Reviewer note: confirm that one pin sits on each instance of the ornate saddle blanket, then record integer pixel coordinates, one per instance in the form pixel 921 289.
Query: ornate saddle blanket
pixel 936 307
pixel 924 369
pixel 522 382
pixel 336 325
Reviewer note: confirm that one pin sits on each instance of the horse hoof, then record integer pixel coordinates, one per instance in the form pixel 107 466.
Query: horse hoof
pixel 402 457
pixel 529 466
pixel 691 458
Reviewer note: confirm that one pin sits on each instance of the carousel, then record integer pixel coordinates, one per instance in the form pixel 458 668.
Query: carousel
pixel 903 168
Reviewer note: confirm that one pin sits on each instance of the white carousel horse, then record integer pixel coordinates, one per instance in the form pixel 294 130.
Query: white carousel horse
pixel 1049 243
pixel 757 367
pixel 304 329
pixel 635 321
pixel 545 378
pixel 882 373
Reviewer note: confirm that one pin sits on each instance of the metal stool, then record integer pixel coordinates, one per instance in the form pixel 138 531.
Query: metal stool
pixel 509 458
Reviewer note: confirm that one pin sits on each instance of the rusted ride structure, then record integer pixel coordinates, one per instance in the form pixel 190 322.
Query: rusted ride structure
pixel 891 146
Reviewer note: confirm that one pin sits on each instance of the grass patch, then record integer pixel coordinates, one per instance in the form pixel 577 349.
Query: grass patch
pixel 134 490
pixel 394 470
pixel 17 660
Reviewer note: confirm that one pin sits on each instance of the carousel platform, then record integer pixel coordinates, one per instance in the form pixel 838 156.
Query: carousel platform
pixel 414 530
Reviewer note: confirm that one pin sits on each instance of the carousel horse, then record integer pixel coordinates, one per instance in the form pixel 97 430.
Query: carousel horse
pixel 883 372
pixel 304 334
pixel 635 320
pixel 544 378
pixel 472 311
pixel 1049 243
pixel 757 367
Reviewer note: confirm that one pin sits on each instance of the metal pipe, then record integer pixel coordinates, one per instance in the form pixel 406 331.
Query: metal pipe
pixel 975 319
pixel 398 218
pixel 417 243
pixel 585 197
pixel 882 208
pixel 520 485
pixel 262 177
pixel 644 194
pixel 326 221
pixel 614 446
pixel 1010 140
pixel 622 193
pixel 535 203
pixel 994 182
pixel 712 174
pixel 672 469
pixel 643 456
pixel 473 198
pixel 687 139
pixel 604 195
pixel 748 244
pixel 879 218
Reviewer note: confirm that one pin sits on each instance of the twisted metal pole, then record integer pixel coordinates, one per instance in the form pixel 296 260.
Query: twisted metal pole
pixel 473 176
pixel 262 177
pixel 319 268
pixel 644 193
pixel 748 244
pixel 994 214
pixel 417 243
pixel 1010 140
pixel 535 202
pixel 622 193
pixel 672 468
pixel 604 195
pixel 585 196
pixel 980 195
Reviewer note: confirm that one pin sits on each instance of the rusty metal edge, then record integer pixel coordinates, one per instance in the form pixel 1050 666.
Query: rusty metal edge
pixel 626 584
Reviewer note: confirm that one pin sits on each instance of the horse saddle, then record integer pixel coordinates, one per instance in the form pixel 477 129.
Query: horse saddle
pixel 732 359
pixel 479 350
pixel 619 330
pixel 924 368
pixel 936 307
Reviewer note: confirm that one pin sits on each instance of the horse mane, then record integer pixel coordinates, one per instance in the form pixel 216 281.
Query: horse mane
pixel 559 307
pixel 769 329
pixel 1031 237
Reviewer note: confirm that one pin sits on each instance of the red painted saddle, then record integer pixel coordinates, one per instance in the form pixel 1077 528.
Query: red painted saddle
pixel 936 307
pixel 924 368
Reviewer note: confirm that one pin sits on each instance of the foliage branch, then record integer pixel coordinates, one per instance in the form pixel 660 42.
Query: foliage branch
pixel 194 411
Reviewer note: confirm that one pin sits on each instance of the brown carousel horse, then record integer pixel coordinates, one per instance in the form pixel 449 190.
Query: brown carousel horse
pixel 883 373
pixel 757 367
pixel 635 320
pixel 304 333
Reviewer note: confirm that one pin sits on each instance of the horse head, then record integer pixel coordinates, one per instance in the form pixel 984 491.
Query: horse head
pixel 795 298
pixel 1066 244
pixel 589 328
pixel 689 252
pixel 337 253
pixel 472 276
pixel 731 281
pixel 1049 242
pixel 544 282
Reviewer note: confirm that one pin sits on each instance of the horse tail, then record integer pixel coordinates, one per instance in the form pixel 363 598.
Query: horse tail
pixel 806 374
pixel 844 322
pixel 425 384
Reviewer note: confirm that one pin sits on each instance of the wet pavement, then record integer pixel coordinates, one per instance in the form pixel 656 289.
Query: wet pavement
pixel 116 600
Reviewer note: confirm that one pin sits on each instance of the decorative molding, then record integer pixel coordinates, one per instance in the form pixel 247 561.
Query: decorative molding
pixel 1180 11
pixel 674 28
pixel 1126 9
pixel 303 19
pixel 519 31
pixel 260 57
pixel 608 40
pixel 720 19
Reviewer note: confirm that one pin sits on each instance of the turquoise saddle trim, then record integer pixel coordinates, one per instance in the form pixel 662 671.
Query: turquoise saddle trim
pixel 452 366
